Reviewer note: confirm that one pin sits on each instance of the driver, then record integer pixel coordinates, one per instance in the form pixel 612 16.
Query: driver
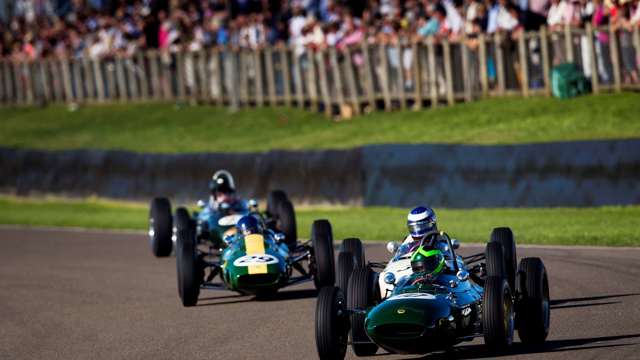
pixel 427 263
pixel 422 225
pixel 248 225
pixel 223 193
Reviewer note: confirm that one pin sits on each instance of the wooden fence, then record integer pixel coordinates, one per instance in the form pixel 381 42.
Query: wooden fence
pixel 348 81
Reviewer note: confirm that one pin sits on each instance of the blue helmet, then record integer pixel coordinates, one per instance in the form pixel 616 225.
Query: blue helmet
pixel 420 221
pixel 248 224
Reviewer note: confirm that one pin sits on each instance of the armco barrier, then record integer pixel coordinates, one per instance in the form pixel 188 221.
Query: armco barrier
pixel 584 173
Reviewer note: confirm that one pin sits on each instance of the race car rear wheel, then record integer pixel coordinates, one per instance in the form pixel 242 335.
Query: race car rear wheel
pixel 189 274
pixel 360 295
pixel 274 200
pixel 332 325
pixel 354 246
pixel 533 314
pixel 160 227
pixel 286 220
pixel 322 242
pixel 344 270
pixel 504 236
pixel 494 260
pixel 497 313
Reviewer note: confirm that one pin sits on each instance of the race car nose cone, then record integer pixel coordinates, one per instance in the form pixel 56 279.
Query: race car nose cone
pixel 407 323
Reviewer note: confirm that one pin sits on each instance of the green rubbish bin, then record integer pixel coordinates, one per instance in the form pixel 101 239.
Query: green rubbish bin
pixel 568 81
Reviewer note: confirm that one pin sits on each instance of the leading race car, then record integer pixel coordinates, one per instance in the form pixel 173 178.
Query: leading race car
pixel 443 300
pixel 279 216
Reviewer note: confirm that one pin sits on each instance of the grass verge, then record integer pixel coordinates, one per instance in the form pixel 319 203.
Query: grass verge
pixel 603 226
pixel 171 129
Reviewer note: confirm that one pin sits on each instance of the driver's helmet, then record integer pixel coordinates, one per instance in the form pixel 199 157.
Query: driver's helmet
pixel 248 225
pixel 420 221
pixel 427 261
pixel 222 182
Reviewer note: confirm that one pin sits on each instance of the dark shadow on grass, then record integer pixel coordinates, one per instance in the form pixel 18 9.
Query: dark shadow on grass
pixel 479 351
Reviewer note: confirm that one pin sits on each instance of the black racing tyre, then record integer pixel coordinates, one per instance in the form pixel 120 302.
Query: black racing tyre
pixel 354 246
pixel 274 200
pixel 494 260
pixel 322 242
pixel 497 313
pixel 533 312
pixel 344 270
pixel 186 260
pixel 332 328
pixel 160 227
pixel 504 236
pixel 287 223
pixel 360 296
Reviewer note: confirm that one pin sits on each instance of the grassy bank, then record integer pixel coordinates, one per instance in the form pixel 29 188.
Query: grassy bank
pixel 167 128
pixel 610 226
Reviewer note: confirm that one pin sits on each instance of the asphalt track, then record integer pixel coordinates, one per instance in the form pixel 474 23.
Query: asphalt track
pixel 91 295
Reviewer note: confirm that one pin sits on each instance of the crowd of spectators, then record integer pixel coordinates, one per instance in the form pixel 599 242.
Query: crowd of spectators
pixel 96 28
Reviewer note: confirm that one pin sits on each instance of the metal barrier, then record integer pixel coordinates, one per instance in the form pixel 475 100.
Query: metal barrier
pixel 349 81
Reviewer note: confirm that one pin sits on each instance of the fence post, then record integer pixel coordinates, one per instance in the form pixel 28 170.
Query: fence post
pixel 482 59
pixel 132 78
pixel 433 79
pixel 466 73
pixel 17 75
pixel 401 93
pixel 524 67
pixel 312 81
pixel 417 78
pixel 544 50
pixel 216 81
pixel 142 70
pixel 499 63
pixel 284 61
pixel 615 58
pixel 154 75
pixel 324 86
pixel 6 82
pixel 203 77
pixel 271 82
pixel 89 81
pixel 78 82
pixel 447 71
pixel 337 78
pixel 368 79
pixel 56 83
pixel 3 79
pixel 180 75
pixel 259 83
pixel 120 79
pixel 592 59
pixel 111 80
pixel 298 80
pixel 384 74
pixel 351 81
pixel 28 76
pixel 66 79
pixel 568 43
pixel 636 40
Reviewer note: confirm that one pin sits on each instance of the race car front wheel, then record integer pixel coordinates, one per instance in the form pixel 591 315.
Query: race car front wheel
pixel 504 236
pixel 160 227
pixel 497 313
pixel 322 242
pixel 354 246
pixel 361 295
pixel 189 276
pixel 532 311
pixel 332 325
pixel 344 270
pixel 494 260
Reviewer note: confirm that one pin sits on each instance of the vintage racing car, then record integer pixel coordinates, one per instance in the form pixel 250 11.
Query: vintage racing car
pixel 482 295
pixel 257 263
pixel 279 216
